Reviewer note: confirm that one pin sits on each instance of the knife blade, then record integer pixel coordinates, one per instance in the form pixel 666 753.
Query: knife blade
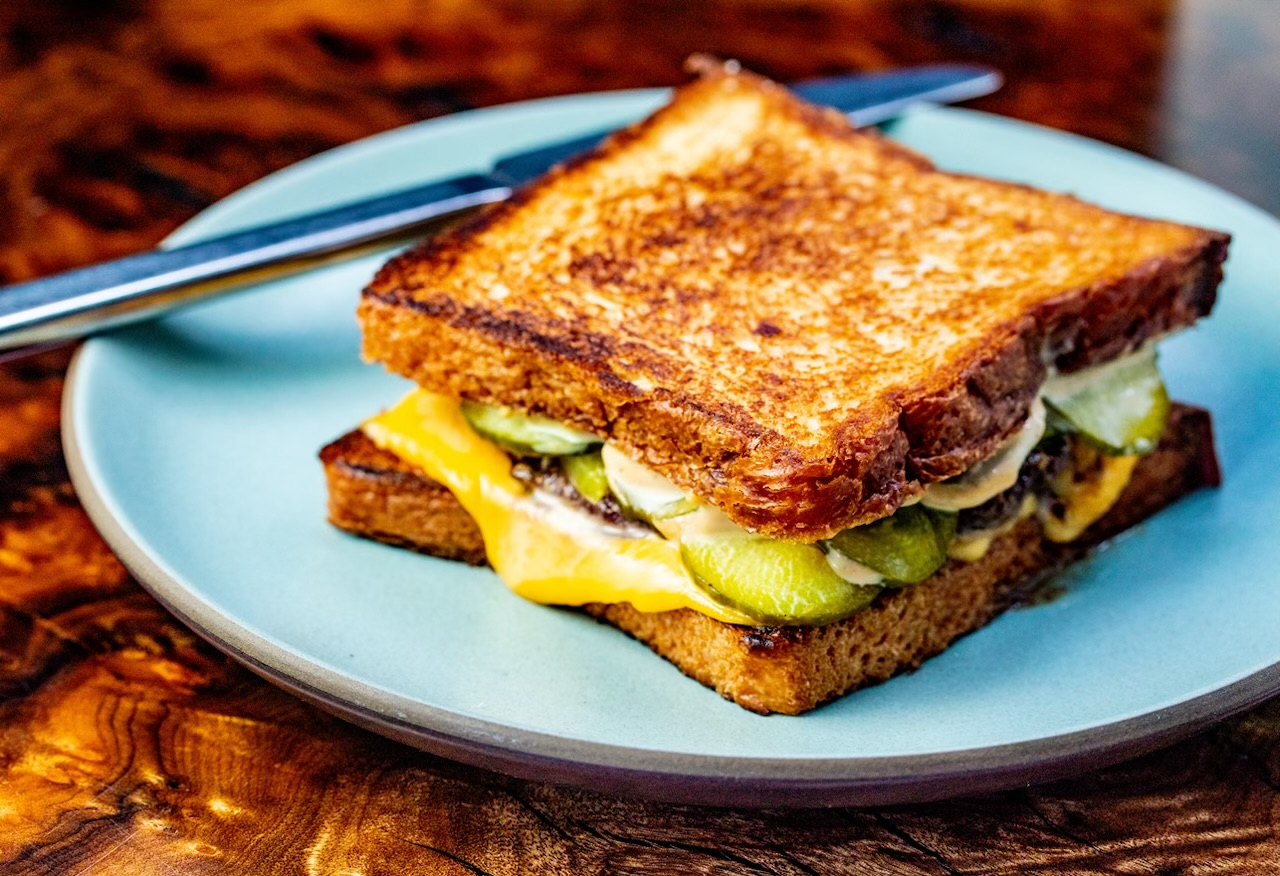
pixel 111 294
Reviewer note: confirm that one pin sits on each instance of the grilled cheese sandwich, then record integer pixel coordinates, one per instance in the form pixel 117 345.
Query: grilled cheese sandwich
pixel 747 365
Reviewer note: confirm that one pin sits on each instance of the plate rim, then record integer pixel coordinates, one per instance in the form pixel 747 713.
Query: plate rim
pixel 652 773
pixel 670 776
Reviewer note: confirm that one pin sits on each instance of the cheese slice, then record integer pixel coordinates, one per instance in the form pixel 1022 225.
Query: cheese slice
pixel 1084 500
pixel 543 550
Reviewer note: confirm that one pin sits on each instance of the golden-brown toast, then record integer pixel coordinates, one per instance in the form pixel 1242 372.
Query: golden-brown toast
pixel 785 669
pixel 795 321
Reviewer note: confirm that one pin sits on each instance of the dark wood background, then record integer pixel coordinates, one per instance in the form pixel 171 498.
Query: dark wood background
pixel 129 746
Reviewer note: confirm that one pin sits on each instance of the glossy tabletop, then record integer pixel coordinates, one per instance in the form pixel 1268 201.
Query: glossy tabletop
pixel 128 745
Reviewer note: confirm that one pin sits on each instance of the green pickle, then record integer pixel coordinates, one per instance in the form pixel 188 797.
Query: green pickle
pixel 906 547
pixel 775 582
pixel 525 434
pixel 670 510
pixel 1122 411
pixel 586 473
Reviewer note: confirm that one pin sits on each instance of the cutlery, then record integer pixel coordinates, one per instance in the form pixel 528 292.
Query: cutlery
pixel 88 300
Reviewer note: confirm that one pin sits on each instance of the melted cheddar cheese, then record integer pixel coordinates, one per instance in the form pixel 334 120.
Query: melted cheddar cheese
pixel 543 550
pixel 1085 492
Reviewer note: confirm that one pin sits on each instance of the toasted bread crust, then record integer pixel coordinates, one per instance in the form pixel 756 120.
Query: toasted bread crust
pixel 727 292
pixel 786 669
pixel 375 494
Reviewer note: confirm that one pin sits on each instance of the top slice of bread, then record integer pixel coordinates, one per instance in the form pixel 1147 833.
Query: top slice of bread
pixel 794 320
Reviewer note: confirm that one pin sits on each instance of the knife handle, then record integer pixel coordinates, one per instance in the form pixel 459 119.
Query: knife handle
pixel 75 303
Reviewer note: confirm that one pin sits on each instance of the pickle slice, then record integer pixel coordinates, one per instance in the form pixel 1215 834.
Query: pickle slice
pixel 776 582
pixel 678 508
pixel 1120 407
pixel 906 547
pixel 525 434
pixel 586 472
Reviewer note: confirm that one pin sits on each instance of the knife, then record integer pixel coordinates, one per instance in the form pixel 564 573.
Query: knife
pixel 110 294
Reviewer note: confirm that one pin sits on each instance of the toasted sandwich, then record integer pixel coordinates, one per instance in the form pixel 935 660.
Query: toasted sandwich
pixel 776 396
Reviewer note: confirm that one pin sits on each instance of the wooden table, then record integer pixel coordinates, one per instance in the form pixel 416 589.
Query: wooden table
pixel 127 745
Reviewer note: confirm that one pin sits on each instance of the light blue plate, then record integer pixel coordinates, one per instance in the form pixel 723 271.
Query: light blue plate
pixel 193 444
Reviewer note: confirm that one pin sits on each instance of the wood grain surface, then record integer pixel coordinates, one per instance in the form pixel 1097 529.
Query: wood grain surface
pixel 128 746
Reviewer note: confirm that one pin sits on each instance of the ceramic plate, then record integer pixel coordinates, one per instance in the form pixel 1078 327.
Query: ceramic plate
pixel 193 444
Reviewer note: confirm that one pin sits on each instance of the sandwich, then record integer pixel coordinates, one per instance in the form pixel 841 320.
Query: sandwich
pixel 775 396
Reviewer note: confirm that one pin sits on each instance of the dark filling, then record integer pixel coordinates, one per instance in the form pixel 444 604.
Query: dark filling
pixel 544 473
pixel 1048 460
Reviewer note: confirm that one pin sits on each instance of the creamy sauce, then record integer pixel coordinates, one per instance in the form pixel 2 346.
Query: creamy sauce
pixel 851 570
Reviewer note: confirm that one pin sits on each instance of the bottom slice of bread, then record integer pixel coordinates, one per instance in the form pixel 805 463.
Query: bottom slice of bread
pixel 375 494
